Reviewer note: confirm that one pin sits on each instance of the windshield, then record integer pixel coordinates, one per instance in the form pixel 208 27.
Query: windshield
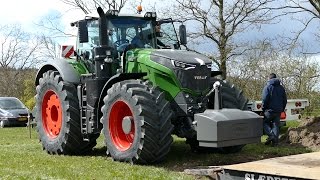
pixel 11 104
pixel 131 30
pixel 93 40
pixel 169 35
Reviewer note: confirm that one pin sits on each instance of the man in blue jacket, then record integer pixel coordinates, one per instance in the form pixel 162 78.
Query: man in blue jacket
pixel 274 101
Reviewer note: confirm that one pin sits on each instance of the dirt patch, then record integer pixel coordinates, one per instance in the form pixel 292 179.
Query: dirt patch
pixel 307 134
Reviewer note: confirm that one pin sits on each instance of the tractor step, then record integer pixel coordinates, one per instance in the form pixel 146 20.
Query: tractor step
pixel 228 127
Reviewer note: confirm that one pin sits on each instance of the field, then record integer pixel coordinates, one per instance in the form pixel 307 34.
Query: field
pixel 22 157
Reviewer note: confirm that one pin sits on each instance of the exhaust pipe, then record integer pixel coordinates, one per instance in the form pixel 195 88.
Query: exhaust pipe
pixel 103 34
pixel 103 57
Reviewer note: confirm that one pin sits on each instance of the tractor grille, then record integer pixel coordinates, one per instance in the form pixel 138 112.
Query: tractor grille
pixel 196 79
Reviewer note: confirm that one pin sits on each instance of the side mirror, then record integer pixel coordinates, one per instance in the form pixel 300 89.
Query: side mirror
pixel 83 31
pixel 183 34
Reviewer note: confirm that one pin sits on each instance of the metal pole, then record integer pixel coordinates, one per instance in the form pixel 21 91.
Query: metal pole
pixel 216 87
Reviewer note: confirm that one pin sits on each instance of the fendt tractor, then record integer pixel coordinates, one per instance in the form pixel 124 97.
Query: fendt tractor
pixel 123 84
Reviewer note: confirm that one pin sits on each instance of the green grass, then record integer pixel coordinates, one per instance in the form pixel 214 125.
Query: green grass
pixel 289 124
pixel 22 157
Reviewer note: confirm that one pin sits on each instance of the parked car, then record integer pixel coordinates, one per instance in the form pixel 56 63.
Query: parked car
pixel 13 112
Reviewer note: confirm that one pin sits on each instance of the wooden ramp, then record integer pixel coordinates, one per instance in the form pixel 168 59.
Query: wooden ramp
pixel 301 166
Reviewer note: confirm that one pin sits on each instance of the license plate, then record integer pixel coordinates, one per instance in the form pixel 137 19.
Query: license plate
pixel 23 118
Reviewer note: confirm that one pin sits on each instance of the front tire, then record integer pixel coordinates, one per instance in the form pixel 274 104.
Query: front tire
pixel 58 116
pixel 133 123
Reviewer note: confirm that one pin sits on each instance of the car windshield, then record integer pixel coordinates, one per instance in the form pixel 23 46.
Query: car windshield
pixel 132 30
pixel 11 104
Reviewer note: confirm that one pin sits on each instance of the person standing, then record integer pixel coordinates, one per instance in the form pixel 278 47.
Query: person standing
pixel 274 101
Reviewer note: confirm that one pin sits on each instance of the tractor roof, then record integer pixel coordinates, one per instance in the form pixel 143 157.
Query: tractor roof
pixel 96 16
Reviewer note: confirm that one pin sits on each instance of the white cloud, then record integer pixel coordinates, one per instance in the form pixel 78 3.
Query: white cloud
pixel 29 12
pixel 17 11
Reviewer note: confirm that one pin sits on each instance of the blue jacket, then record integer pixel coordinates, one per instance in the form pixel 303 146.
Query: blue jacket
pixel 274 98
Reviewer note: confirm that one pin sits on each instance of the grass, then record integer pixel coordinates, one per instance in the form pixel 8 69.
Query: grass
pixel 22 157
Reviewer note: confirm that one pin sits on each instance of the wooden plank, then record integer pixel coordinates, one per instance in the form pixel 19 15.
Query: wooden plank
pixel 299 166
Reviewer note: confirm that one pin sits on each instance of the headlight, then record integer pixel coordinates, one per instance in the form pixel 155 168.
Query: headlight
pixel 189 98
pixel 5 114
pixel 182 65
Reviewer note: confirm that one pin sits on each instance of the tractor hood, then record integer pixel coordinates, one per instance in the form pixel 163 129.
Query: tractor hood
pixel 192 70
pixel 188 57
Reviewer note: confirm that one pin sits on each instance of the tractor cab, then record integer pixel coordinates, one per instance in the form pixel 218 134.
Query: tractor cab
pixel 124 32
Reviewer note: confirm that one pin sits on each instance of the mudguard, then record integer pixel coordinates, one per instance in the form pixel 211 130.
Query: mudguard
pixel 117 78
pixel 228 127
pixel 66 70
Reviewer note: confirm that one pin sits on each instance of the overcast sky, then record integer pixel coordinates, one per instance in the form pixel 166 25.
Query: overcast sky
pixel 29 12
pixel 26 12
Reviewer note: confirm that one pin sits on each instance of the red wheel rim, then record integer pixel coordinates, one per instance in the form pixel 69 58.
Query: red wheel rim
pixel 51 114
pixel 120 110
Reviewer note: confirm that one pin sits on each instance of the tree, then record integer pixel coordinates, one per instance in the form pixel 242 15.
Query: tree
pixel 19 51
pixel 28 88
pixel 18 48
pixel 305 12
pixel 49 47
pixel 52 31
pixel 299 74
pixel 310 6
pixel 218 22
pixel 90 6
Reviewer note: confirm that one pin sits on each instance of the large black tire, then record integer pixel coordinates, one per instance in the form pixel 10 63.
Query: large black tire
pixel 231 97
pixel 136 123
pixel 165 114
pixel 58 117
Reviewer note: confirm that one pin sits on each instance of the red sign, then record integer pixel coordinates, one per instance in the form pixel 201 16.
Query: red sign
pixel 67 51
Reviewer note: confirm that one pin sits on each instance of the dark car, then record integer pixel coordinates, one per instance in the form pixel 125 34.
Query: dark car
pixel 13 112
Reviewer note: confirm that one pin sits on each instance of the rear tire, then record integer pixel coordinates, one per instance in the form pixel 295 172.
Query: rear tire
pixel 58 117
pixel 136 123
pixel 233 98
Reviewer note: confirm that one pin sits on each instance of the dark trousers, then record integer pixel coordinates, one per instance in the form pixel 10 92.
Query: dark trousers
pixel 271 125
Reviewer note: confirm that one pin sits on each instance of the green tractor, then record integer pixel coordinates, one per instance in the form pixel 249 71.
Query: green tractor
pixel 123 85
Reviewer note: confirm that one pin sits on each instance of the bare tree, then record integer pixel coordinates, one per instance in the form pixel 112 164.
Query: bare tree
pixel 52 32
pixel 299 74
pixel 51 26
pixel 18 48
pixel 316 5
pixel 218 22
pixel 310 6
pixel 49 48
pixel 90 6
pixel 19 51
pixel 306 12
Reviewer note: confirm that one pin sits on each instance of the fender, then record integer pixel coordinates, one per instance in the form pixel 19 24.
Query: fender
pixel 66 70
pixel 114 79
